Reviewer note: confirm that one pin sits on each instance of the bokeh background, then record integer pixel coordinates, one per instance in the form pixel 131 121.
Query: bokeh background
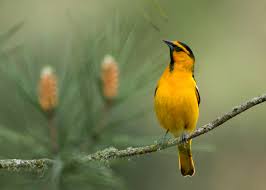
pixel 73 36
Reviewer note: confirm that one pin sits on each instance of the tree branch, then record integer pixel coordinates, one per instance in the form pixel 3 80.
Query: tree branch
pixel 29 165
pixel 113 153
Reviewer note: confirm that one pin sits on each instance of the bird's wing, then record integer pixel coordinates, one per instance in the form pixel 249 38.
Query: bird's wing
pixel 155 91
pixel 197 94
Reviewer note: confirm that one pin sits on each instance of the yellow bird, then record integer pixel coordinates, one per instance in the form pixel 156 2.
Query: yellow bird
pixel 176 101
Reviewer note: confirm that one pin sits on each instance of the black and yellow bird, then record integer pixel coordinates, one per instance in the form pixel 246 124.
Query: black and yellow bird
pixel 177 99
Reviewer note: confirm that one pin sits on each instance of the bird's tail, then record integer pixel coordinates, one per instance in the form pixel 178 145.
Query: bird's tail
pixel 186 164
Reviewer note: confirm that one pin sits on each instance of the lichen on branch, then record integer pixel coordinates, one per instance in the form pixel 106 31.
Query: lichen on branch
pixel 16 165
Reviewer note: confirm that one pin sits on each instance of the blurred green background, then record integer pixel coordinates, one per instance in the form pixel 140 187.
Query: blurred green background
pixel 228 39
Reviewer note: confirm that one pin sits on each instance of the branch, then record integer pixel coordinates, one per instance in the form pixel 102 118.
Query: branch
pixel 113 153
pixel 29 165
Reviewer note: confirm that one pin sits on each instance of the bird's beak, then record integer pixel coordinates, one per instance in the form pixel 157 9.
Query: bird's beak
pixel 170 44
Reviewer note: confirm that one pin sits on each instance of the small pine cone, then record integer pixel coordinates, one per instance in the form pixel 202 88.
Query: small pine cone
pixel 48 90
pixel 109 77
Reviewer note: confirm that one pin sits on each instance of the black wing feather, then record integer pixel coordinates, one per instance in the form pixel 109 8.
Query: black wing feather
pixel 197 94
pixel 155 91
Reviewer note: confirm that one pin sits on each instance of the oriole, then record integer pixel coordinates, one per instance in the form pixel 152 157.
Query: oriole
pixel 176 101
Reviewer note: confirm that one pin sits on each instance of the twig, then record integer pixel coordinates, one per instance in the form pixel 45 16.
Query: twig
pixel 113 153
pixel 96 133
pixel 16 165
pixel 53 132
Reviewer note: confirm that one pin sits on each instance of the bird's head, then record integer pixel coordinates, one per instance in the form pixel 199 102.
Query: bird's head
pixel 181 55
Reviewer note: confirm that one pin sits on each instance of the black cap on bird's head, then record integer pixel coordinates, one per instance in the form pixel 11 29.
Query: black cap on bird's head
pixel 179 46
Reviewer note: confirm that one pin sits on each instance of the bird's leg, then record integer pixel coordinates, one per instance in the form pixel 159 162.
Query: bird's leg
pixel 184 137
pixel 165 135
pixel 162 140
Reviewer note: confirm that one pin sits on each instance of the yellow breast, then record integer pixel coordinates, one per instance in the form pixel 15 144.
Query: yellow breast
pixel 176 103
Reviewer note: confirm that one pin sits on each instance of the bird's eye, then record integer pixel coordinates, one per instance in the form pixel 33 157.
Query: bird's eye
pixel 178 49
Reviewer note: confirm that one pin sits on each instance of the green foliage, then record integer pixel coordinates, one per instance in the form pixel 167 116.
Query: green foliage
pixel 81 108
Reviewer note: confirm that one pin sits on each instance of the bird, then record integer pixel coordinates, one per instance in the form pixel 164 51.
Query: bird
pixel 177 99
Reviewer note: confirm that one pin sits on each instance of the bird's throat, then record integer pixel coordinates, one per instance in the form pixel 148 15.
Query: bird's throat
pixel 175 67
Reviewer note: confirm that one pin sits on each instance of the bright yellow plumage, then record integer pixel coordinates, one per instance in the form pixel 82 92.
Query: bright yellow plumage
pixel 176 100
pixel 176 104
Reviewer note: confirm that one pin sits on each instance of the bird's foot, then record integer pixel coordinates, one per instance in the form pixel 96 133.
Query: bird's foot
pixel 161 141
pixel 184 137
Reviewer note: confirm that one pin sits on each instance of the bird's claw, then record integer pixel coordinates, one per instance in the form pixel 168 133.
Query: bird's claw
pixel 161 141
pixel 184 138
